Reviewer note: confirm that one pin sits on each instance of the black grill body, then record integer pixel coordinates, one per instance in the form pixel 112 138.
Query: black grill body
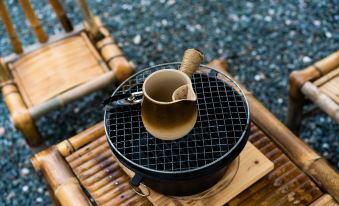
pixel 195 162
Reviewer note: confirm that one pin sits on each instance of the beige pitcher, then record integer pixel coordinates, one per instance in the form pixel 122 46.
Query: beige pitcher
pixel 169 109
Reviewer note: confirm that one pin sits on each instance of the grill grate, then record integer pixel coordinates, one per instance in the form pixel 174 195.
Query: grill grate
pixel 222 119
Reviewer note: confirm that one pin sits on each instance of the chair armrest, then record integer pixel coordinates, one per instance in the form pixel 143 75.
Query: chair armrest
pixel 64 185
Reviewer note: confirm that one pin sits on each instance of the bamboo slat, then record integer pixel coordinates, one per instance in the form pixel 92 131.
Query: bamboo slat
pixel 34 21
pixel 56 68
pixel 4 74
pixel 94 29
pixel 329 85
pixel 98 171
pixel 71 95
pixel 326 78
pixel 60 12
pixel 324 102
pixel 13 37
pixel 285 185
pixel 297 80
pixel 325 200
pixel 19 114
pixel 69 146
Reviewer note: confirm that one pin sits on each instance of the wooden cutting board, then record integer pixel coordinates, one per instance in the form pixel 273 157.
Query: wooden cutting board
pixel 252 166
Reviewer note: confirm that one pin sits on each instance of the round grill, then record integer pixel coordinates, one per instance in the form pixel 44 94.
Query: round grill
pixel 223 120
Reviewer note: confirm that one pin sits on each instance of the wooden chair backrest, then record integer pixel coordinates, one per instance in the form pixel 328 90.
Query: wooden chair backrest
pixel 35 23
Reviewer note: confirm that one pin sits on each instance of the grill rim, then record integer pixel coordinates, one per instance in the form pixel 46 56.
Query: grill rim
pixel 215 164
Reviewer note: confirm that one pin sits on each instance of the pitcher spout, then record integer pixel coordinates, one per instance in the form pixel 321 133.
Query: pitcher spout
pixel 185 92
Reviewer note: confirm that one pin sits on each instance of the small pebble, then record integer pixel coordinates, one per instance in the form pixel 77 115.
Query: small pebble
pixel 24 171
pixel 137 39
pixel 25 188
pixel 268 18
pixel 307 59
pixel 40 190
pixel 257 77
pixel 317 23
pixel 39 200
pixel 325 145
pixel 328 34
pixel 280 100
pixel 2 131
pixel 171 2
pixel 10 195
pixel 164 22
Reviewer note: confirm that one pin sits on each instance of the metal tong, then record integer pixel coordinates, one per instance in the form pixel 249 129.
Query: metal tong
pixel 122 100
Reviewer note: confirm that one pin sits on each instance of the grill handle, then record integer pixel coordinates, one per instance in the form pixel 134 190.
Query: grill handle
pixel 135 182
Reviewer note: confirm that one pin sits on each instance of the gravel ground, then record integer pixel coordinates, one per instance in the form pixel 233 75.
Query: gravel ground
pixel 263 42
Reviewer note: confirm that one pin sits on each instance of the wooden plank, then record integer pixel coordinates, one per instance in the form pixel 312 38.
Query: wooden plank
pixel 325 200
pixel 253 166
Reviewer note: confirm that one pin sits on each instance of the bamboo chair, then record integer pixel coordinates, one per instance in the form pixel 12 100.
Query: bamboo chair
pixel 318 83
pixel 58 70
pixel 83 171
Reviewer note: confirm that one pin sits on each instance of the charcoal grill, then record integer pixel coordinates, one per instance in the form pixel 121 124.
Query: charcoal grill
pixel 195 162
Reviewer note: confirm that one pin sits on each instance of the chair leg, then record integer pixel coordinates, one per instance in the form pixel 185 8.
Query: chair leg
pixel 294 115
pixel 20 115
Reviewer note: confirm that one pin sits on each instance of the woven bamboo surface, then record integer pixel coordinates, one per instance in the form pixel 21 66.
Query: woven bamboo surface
pixel 40 75
pixel 98 171
pixel 101 175
pixel 329 84
pixel 285 185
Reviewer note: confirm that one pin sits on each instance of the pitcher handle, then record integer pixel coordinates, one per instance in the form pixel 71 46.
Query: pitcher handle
pixel 191 61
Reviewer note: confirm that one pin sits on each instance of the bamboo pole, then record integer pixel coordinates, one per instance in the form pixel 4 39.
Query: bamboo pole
pixel 67 147
pixel 13 37
pixel 295 113
pixel 299 152
pixel 326 77
pixel 115 59
pixel 325 200
pixel 4 73
pixel 34 21
pixel 20 115
pixel 321 100
pixel 71 95
pixel 60 178
pixel 93 27
pixel 297 80
pixel 60 12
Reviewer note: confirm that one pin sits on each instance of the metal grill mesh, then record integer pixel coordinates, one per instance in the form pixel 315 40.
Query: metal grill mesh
pixel 222 119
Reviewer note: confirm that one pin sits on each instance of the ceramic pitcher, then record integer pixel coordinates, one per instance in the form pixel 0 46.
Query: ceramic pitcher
pixel 169 109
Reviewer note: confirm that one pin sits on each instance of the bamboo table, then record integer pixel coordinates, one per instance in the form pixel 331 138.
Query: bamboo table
pixel 318 83
pixel 82 170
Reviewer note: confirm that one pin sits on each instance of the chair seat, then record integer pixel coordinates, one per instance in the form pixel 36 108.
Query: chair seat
pixel 56 68
pixel 331 87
